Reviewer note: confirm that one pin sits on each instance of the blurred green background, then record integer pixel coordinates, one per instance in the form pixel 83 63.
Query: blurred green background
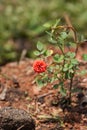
pixel 21 23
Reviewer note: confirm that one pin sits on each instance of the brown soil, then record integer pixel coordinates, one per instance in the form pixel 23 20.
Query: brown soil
pixel 18 89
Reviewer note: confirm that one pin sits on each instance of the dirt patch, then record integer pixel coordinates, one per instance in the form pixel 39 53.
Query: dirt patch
pixel 18 89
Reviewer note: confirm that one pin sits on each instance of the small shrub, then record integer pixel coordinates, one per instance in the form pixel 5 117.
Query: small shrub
pixel 63 67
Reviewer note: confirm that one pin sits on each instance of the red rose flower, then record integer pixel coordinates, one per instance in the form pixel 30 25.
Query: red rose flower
pixel 39 66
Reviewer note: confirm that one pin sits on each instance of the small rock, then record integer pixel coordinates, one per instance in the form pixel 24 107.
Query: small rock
pixel 15 119
pixel 84 80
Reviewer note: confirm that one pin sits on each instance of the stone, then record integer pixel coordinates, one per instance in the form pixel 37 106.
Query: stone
pixel 15 119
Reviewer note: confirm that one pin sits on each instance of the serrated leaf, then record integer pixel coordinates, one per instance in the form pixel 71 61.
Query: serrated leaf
pixel 40 46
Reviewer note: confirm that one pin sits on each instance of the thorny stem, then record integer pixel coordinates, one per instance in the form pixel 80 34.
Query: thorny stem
pixel 75 39
pixel 67 27
pixel 74 32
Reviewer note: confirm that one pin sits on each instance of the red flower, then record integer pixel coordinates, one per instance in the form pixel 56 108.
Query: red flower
pixel 39 66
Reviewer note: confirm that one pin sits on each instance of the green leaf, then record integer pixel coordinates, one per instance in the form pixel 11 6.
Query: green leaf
pixel 37 53
pixel 74 62
pixel 40 46
pixel 62 91
pixel 60 41
pixel 70 44
pixel 47 25
pixel 49 52
pixel 45 79
pixel 57 67
pixel 55 86
pixel 67 75
pixel 84 56
pixel 52 41
pixel 56 24
pixel 70 66
pixel 50 34
pixel 64 35
pixel 58 58
pixel 50 69
pixel 52 79
pixel 66 67
pixel 43 52
pixel 40 82
pixel 71 71
pixel 70 54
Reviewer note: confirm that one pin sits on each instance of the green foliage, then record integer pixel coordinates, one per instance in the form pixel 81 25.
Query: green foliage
pixel 40 46
pixel 64 66
pixel 24 19
pixel 58 58
pixel 41 50
pixel 63 90
pixel 7 53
